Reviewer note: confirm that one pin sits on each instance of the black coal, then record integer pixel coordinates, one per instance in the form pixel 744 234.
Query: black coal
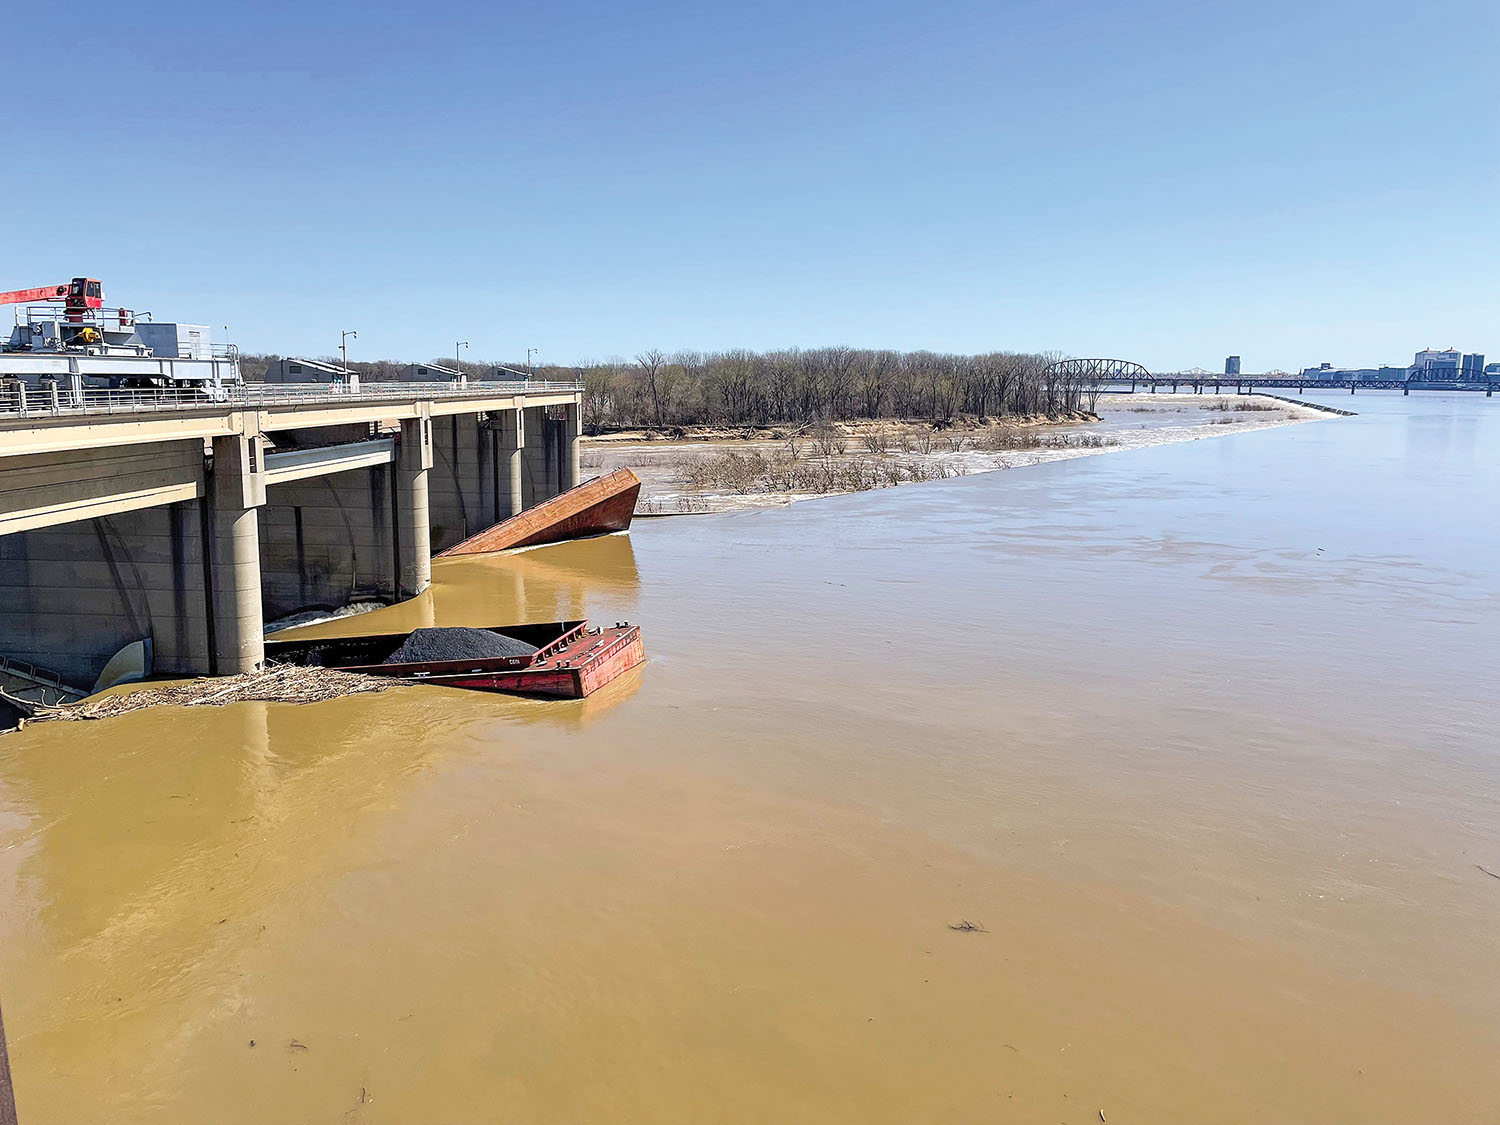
pixel 426 645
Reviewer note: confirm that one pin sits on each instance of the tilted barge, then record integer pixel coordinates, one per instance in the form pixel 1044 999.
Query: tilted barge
pixel 596 507
pixel 570 662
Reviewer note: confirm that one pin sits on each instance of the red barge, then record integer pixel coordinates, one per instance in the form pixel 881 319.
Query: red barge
pixel 596 507
pixel 571 659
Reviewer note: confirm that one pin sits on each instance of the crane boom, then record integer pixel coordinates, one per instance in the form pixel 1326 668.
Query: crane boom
pixel 41 293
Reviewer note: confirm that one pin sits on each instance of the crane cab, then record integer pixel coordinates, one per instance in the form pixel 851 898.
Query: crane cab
pixel 84 293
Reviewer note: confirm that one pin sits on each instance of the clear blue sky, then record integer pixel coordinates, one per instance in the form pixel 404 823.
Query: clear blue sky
pixel 1162 181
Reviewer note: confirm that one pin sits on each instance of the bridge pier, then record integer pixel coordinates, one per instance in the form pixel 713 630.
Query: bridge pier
pixel 413 518
pixel 512 430
pixel 236 492
pixel 572 441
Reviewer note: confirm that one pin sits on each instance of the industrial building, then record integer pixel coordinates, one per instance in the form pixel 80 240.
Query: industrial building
pixel 1447 363
pixel 294 370
pixel 430 372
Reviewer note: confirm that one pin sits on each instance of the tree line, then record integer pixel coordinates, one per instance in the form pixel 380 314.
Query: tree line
pixel 797 386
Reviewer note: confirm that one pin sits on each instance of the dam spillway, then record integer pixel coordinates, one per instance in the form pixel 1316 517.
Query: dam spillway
pixel 188 523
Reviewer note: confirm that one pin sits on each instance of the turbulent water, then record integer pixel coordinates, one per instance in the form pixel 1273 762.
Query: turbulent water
pixel 1156 785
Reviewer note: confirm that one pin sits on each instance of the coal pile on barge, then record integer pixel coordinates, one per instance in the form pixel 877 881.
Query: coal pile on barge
pixel 552 659
pixel 426 646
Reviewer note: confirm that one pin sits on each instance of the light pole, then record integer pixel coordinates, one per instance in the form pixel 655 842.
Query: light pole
pixel 529 353
pixel 344 346
pixel 456 345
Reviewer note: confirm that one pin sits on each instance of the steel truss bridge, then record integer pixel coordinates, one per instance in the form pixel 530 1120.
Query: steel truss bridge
pixel 1121 372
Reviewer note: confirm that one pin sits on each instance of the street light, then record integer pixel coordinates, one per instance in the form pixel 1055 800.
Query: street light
pixel 456 345
pixel 529 353
pixel 344 346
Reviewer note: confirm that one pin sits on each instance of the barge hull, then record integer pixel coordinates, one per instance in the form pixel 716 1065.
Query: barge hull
pixel 570 662
pixel 593 508
pixel 573 675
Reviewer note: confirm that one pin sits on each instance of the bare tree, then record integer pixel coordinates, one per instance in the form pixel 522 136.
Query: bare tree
pixel 650 364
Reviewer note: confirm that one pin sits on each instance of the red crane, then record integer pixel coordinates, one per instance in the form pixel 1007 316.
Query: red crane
pixel 80 293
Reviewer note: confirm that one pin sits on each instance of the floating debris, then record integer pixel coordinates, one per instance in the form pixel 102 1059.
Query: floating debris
pixel 968 927
pixel 280 683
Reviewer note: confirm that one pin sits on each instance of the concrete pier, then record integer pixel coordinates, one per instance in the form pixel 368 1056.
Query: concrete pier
pixel 188 526
pixel 572 436
pixel 237 490
pixel 512 435
pixel 413 527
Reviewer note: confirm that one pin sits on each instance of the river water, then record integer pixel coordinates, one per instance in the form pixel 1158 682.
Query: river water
pixel 1200 739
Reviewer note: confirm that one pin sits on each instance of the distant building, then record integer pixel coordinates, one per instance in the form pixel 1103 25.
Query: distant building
pixel 1232 365
pixel 1434 363
pixel 1384 374
pixel 1448 364
pixel 310 371
pixel 429 373
pixel 1431 365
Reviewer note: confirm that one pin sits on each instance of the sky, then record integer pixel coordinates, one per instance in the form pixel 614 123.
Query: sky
pixel 1163 182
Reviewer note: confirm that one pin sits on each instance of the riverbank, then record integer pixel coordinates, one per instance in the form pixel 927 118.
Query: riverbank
pixel 716 471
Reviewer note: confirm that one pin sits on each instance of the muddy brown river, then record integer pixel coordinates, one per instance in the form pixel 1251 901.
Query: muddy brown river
pixel 1199 741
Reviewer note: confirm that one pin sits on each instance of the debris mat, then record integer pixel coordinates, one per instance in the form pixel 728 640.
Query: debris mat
pixel 280 683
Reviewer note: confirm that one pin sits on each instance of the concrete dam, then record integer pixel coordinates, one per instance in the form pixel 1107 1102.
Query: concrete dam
pixel 186 523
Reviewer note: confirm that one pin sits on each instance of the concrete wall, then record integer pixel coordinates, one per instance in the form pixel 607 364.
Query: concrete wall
pixel 72 596
pixel 543 457
pixel 460 487
pixel 46 489
pixel 326 541
pixel 468 488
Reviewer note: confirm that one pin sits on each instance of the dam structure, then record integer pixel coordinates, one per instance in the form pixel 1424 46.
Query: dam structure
pixel 184 522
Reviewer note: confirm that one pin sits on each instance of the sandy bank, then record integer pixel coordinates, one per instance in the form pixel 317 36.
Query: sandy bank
pixel 715 471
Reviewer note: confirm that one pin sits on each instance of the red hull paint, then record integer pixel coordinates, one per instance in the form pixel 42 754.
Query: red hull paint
pixel 593 508
pixel 576 671
pixel 570 662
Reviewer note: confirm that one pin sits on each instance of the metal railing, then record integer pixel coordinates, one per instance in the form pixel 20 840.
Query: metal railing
pixel 19 400
pixel 32 684
pixel 112 317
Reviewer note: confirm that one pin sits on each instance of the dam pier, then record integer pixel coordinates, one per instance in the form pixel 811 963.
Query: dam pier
pixel 164 517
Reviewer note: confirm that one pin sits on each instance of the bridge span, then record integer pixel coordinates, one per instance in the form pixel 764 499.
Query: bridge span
pixel 1249 384
pixel 163 517
pixel 1100 373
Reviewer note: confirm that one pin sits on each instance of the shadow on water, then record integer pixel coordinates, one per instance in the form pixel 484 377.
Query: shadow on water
pixel 595 578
